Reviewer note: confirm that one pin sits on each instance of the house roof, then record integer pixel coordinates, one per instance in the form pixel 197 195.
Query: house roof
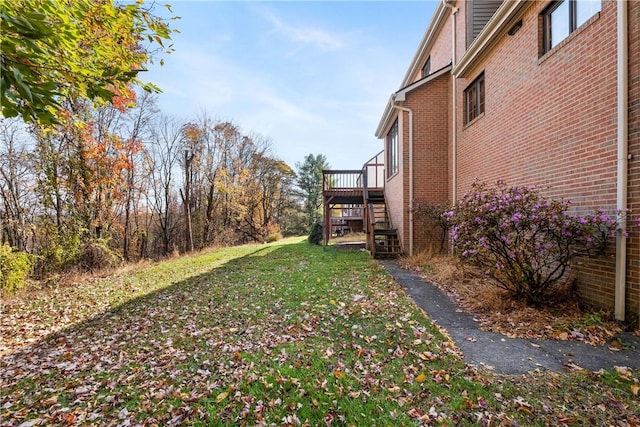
pixel 429 37
pixel 389 114
pixel 422 51
pixel 502 20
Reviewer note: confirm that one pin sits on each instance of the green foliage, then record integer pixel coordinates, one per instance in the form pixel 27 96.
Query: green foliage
pixel 56 49
pixel 315 234
pixel 58 252
pixel 310 184
pixel 279 334
pixel 96 255
pixel 273 237
pixel 14 268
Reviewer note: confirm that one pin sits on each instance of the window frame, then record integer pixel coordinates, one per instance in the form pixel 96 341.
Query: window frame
pixel 392 147
pixel 547 36
pixel 474 99
pixel 426 68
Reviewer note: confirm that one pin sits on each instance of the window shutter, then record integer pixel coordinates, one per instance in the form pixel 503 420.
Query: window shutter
pixel 479 12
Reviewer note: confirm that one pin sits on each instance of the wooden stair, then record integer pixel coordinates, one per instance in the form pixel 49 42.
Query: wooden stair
pixel 362 188
pixel 383 238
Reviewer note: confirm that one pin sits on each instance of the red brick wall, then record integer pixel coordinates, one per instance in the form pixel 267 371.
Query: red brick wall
pixel 551 121
pixel 440 51
pixel 431 108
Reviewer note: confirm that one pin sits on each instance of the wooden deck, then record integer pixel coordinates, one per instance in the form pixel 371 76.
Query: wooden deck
pixel 359 190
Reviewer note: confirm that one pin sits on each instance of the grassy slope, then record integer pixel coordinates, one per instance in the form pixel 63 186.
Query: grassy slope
pixel 282 334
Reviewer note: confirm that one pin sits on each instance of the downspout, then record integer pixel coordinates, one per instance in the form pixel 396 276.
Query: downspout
pixel 622 163
pixel 454 130
pixel 408 110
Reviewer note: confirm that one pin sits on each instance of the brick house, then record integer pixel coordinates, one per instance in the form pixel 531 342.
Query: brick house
pixel 542 93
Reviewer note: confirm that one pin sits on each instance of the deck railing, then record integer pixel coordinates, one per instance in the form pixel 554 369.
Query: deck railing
pixel 370 176
pixel 339 184
pixel 373 170
pixel 341 179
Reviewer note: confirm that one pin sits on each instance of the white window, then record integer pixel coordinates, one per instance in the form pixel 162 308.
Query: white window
pixel 392 150
pixel 563 17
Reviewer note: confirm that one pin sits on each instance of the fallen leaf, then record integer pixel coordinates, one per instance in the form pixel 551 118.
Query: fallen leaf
pixel 51 401
pixel 421 378
pixel 565 420
pixel 482 403
pixel 623 371
pixel 222 396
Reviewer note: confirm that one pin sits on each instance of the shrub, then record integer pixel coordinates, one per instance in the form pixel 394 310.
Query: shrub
pixel 14 268
pixel 96 255
pixel 273 237
pixel 522 241
pixel 57 253
pixel 434 222
pixel 315 234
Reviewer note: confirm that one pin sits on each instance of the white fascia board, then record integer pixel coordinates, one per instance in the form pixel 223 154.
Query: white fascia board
pixel 425 44
pixel 400 95
pixel 386 118
pixel 428 38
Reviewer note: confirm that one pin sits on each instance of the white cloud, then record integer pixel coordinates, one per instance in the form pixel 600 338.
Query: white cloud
pixel 303 36
pixel 307 88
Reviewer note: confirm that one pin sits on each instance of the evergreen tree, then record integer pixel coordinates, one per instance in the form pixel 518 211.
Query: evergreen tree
pixel 310 186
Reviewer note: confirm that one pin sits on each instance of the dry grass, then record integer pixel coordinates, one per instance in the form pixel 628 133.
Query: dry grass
pixel 349 238
pixel 565 319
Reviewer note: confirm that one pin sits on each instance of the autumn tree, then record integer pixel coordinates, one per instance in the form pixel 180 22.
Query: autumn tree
pixel 16 179
pixel 269 197
pixel 309 184
pixel 162 158
pixel 192 136
pixel 135 129
pixel 236 157
pixel 53 50
pixel 81 167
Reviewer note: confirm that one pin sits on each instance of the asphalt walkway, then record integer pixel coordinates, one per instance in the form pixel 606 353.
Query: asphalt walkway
pixel 510 355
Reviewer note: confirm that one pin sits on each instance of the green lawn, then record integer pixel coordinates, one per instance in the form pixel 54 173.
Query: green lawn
pixel 278 334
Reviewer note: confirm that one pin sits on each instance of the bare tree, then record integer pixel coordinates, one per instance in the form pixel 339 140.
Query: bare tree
pixel 16 179
pixel 163 150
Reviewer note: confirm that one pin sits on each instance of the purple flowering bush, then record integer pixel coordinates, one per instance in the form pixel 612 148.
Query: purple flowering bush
pixel 523 241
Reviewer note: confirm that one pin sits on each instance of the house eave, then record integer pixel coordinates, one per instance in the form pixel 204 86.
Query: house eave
pixel 501 21
pixel 428 38
pixel 400 95
pixel 386 117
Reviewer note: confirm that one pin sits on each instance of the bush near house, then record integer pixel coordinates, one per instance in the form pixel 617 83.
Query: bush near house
pixel 522 241
pixel 433 220
pixel 14 267
pixel 315 234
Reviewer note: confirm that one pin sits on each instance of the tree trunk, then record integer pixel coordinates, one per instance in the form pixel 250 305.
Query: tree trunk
pixel 186 200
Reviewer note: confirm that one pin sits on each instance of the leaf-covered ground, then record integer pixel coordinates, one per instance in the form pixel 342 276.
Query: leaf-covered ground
pixel 279 334
pixel 563 319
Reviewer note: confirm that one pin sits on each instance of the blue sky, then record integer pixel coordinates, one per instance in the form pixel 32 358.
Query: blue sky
pixel 313 77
